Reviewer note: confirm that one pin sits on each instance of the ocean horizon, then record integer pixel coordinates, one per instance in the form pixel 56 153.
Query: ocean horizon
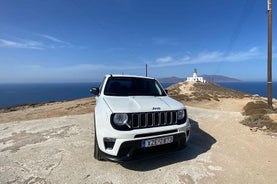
pixel 20 94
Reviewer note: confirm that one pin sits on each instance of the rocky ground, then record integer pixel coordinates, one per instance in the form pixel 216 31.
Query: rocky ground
pixel 53 143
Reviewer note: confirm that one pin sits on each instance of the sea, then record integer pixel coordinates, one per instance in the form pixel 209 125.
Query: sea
pixel 21 94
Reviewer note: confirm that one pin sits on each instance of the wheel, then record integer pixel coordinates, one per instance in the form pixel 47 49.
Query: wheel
pixel 182 144
pixel 97 152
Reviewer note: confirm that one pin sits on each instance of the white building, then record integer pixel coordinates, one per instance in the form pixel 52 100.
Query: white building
pixel 195 78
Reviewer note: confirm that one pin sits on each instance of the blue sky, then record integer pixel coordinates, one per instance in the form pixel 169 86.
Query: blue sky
pixel 82 40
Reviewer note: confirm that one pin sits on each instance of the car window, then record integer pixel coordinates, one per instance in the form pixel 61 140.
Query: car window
pixel 132 86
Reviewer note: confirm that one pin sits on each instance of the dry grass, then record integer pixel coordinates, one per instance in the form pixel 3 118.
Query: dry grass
pixel 257 116
pixel 174 90
pixel 203 91
pixel 180 97
pixel 215 91
pixel 256 108
pixel 262 122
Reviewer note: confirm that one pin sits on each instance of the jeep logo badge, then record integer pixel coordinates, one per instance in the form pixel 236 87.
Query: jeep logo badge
pixel 156 108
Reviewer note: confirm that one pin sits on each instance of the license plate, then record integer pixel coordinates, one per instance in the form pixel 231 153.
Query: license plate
pixel 156 141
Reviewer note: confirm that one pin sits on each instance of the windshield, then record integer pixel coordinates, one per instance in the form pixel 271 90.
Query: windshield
pixel 132 86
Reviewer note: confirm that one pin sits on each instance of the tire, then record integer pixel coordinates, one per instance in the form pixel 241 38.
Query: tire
pixel 97 153
pixel 182 144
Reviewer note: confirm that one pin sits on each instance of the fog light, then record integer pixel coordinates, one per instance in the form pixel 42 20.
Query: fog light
pixel 109 143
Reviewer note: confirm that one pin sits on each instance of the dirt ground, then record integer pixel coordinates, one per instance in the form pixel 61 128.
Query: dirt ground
pixel 47 110
pixel 53 143
pixel 60 150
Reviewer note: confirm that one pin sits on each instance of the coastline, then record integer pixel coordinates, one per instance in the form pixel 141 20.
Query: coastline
pixel 12 95
pixel 199 95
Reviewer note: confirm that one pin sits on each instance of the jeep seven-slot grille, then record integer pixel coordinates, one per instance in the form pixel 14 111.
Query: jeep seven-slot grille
pixel 152 119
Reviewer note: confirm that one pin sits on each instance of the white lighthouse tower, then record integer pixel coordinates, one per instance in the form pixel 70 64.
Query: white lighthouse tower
pixel 195 78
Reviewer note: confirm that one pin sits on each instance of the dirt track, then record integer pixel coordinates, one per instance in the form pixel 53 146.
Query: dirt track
pixel 60 150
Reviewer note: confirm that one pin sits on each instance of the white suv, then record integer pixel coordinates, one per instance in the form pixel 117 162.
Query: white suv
pixel 133 114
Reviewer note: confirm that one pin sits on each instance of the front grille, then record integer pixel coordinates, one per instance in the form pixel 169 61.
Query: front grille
pixel 152 119
pixel 149 120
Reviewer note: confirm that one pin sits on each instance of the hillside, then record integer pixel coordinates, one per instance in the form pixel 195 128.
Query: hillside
pixel 203 91
pixel 258 115
pixel 208 78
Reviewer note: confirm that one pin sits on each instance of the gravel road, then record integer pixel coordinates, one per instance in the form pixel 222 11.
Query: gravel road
pixel 60 150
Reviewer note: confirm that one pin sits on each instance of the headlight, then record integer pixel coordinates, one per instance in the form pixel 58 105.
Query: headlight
pixel 181 114
pixel 120 119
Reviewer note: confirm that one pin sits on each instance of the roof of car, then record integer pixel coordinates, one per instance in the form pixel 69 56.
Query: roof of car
pixel 120 75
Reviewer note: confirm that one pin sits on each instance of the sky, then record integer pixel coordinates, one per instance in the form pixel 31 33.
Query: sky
pixel 82 40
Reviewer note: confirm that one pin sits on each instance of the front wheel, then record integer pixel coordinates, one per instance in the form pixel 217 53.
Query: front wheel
pixel 97 152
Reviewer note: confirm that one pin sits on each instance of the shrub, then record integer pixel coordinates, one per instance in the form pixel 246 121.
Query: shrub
pixel 260 121
pixel 256 108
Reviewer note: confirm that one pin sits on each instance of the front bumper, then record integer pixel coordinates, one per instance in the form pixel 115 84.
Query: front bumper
pixel 132 149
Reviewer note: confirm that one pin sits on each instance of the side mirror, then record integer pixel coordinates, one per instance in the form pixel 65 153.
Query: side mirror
pixel 94 91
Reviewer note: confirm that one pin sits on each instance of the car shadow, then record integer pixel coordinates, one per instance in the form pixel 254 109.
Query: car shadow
pixel 199 143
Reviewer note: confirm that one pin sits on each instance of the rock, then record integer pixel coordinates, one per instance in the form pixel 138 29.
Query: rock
pixel 264 128
pixel 256 97
pixel 254 129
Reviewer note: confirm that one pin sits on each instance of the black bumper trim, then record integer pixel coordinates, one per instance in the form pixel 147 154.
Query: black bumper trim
pixel 131 150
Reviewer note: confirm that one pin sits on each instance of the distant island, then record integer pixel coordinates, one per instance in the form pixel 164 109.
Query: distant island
pixel 171 80
pixel 208 78
pixel 219 78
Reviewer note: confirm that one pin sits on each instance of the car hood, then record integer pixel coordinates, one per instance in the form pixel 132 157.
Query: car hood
pixel 141 104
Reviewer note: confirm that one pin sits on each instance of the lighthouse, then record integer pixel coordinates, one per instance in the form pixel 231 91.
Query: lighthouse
pixel 195 78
